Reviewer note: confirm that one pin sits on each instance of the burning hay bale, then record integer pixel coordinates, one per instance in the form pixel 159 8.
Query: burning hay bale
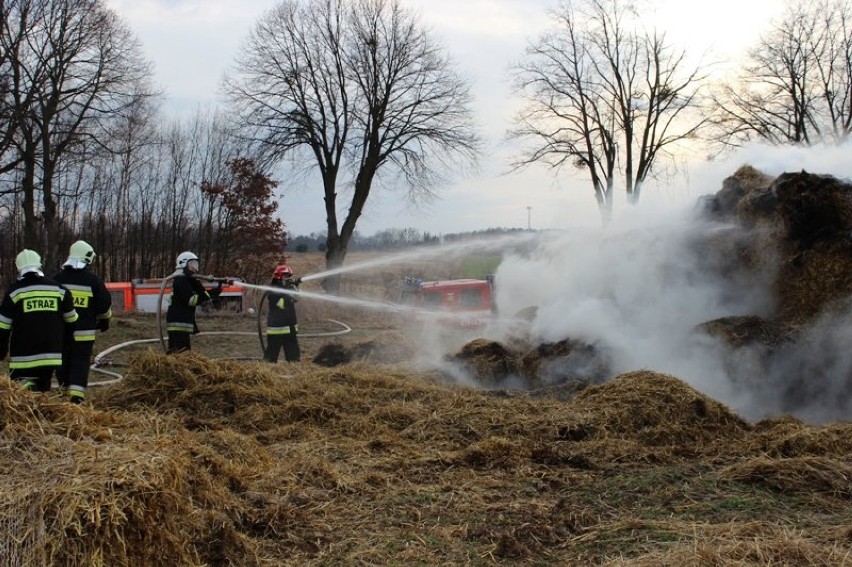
pixel 565 361
pixel 740 193
pixel 819 279
pixel 744 195
pixel 809 222
pixel 746 330
pixel 752 343
pixel 489 362
pixel 813 208
pixel 541 368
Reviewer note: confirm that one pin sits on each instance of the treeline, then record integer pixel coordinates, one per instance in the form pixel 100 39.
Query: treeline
pixel 86 153
pixel 178 188
pixel 392 239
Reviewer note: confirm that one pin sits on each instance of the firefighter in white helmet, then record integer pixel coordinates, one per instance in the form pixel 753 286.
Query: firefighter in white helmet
pixel 34 315
pixel 282 327
pixel 187 294
pixel 93 304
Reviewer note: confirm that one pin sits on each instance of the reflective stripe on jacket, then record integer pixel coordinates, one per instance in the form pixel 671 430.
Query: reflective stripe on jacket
pixel 92 300
pixel 33 318
pixel 282 319
pixel 187 293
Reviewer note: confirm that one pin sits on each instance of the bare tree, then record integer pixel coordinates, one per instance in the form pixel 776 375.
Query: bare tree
pixel 604 97
pixel 11 44
pixel 76 69
pixel 796 86
pixel 357 88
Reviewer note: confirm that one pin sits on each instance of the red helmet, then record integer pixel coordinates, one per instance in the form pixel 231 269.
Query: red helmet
pixel 281 272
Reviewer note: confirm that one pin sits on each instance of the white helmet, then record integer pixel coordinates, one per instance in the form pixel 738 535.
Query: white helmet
pixel 28 261
pixel 81 255
pixel 185 258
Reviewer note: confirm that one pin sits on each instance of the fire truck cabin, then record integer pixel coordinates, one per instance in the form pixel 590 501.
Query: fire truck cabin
pixel 469 300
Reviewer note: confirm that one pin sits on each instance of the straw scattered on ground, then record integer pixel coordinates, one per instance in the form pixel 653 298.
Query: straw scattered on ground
pixel 197 462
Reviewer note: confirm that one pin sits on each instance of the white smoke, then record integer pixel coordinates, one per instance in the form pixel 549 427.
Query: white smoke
pixel 638 292
pixel 814 372
pixel 640 287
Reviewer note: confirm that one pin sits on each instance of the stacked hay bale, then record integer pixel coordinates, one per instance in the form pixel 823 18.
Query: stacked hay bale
pixel 489 361
pixel 539 368
pixel 816 211
pixel 806 219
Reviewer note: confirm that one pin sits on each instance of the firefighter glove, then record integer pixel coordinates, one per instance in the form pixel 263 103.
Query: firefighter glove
pixel 103 324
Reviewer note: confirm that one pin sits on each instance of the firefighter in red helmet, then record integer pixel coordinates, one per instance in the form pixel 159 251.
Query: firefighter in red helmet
pixel 282 328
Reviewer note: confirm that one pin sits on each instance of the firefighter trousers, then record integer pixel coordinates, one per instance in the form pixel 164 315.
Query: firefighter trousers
pixel 37 378
pixel 74 372
pixel 290 344
pixel 178 342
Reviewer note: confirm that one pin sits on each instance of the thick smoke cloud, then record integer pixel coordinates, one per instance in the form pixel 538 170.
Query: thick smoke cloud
pixel 638 292
pixel 813 375
pixel 642 285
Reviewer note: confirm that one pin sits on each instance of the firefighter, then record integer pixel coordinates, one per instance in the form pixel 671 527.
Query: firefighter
pixel 34 315
pixel 187 294
pixel 93 304
pixel 282 328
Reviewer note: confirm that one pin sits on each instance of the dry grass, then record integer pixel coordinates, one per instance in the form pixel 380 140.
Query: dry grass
pixel 190 461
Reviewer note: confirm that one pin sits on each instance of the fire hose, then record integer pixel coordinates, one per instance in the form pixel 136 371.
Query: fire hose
pixel 101 358
pixel 167 279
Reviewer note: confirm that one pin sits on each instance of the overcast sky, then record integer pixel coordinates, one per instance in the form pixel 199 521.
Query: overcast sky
pixel 192 43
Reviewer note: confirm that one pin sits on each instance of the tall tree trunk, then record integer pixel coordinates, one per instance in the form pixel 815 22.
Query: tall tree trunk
pixel 28 189
pixel 49 215
pixel 338 246
pixel 333 260
pixel 335 251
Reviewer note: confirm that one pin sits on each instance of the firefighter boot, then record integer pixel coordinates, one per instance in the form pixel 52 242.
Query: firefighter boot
pixel 76 394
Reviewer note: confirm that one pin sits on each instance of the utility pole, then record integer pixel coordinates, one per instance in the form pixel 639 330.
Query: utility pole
pixel 529 218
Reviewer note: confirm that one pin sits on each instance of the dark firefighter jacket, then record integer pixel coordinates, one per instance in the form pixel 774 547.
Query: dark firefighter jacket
pixel 35 312
pixel 282 311
pixel 187 294
pixel 92 301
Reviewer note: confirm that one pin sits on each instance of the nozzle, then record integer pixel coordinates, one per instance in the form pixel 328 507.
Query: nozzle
pixel 215 279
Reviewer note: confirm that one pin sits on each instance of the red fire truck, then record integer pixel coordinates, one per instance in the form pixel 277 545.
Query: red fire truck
pixel 468 302
pixel 142 294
